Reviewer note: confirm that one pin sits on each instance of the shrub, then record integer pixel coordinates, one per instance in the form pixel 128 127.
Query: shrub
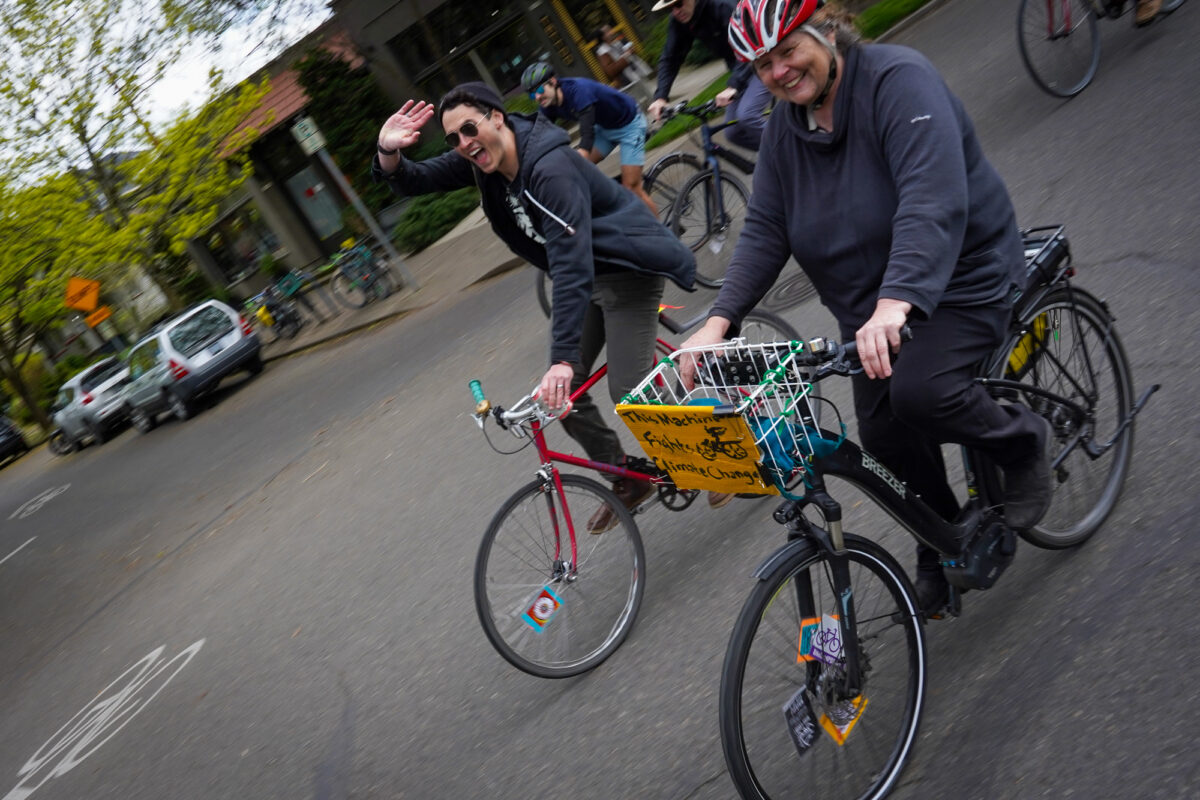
pixel 883 15
pixel 430 217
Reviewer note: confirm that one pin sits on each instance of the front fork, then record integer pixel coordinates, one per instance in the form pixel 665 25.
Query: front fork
pixel 830 539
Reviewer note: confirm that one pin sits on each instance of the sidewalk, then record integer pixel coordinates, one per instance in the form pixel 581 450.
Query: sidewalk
pixel 441 271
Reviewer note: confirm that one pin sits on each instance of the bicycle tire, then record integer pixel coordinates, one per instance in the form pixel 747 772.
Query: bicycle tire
pixel 1068 330
pixel 789 291
pixel 1061 55
pixel 349 292
pixel 697 220
pixel 516 562
pixel 1170 5
pixel 664 180
pixel 763 673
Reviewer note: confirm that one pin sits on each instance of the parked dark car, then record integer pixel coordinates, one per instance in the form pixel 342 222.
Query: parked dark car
pixel 12 443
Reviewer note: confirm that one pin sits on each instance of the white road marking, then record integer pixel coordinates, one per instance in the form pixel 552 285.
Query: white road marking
pixel 33 506
pixel 14 552
pixel 99 720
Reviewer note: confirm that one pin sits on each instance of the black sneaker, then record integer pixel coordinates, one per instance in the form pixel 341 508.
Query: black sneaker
pixel 1029 489
pixel 932 595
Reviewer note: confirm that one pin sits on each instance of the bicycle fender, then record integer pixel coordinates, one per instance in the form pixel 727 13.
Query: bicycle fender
pixel 780 556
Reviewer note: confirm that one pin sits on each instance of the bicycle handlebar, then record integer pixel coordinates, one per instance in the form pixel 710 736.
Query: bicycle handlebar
pixel 702 111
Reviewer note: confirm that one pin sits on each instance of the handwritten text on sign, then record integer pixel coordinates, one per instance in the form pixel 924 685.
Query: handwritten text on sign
pixel 698 449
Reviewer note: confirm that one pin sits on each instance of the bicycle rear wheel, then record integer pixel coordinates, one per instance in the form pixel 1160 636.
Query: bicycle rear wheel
pixel 1069 348
pixel 709 223
pixel 667 177
pixel 781 706
pixel 350 292
pixel 544 618
pixel 1059 44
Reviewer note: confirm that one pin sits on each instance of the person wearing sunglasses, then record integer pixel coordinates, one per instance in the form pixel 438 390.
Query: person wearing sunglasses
pixel 607 118
pixel 608 255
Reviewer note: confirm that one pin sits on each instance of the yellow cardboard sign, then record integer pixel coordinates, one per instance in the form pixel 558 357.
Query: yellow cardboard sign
pixel 698 449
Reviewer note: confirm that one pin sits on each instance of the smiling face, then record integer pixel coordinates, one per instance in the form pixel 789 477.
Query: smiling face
pixel 796 70
pixel 492 148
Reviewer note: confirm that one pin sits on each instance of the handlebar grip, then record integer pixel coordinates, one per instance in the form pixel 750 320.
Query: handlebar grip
pixel 482 406
pixel 850 349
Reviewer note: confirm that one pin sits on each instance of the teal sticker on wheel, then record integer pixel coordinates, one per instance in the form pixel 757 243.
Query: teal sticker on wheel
pixel 542 610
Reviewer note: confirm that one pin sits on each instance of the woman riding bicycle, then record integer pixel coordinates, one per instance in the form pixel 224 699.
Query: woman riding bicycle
pixel 870 174
pixel 607 254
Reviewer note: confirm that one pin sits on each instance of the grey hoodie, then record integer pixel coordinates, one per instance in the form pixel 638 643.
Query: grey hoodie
pixel 590 223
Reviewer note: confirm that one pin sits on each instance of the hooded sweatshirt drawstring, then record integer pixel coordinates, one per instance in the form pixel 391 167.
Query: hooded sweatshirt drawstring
pixel 570 229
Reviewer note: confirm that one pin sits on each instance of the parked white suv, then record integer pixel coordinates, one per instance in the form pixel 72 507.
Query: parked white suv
pixel 186 358
pixel 91 404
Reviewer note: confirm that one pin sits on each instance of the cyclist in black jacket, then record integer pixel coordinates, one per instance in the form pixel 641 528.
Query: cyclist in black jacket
pixel 607 254
pixel 744 95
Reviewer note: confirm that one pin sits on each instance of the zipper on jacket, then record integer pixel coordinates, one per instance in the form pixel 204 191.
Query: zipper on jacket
pixel 570 229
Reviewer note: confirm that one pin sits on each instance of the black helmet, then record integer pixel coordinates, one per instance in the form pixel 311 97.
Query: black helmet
pixel 536 74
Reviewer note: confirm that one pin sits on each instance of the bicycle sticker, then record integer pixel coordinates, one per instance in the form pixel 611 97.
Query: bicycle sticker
pixel 801 721
pixel 820 640
pixel 542 610
pixel 853 709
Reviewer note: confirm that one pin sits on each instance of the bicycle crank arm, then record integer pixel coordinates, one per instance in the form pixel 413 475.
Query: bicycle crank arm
pixel 1095 451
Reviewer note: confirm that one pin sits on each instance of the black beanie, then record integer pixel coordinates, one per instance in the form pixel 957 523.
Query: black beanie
pixel 480 92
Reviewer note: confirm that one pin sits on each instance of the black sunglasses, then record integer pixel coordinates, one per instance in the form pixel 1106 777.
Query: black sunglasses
pixel 466 129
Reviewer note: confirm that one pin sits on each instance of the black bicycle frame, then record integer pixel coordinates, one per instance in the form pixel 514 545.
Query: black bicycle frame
pixel 713 150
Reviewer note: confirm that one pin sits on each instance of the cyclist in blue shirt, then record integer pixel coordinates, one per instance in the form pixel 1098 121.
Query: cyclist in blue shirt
pixel 606 118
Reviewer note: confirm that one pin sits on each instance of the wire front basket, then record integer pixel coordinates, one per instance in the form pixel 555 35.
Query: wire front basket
pixel 746 425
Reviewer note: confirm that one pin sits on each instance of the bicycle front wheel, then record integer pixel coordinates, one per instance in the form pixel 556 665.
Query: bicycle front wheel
pixel 667 177
pixel 350 292
pixel 545 617
pixel 1071 350
pixel 787 728
pixel 1059 44
pixel 709 222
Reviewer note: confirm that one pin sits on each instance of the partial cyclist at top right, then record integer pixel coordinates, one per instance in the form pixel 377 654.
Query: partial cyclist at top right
pixel 1059 42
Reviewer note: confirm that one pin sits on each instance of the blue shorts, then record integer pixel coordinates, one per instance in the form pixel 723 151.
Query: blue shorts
pixel 631 137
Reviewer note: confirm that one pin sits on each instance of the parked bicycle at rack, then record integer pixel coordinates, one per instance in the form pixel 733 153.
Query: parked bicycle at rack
pixel 1060 44
pixel 824 678
pixel 275 313
pixel 359 276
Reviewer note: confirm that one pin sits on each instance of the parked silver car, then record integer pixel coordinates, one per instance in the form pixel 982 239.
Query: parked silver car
pixel 91 405
pixel 186 358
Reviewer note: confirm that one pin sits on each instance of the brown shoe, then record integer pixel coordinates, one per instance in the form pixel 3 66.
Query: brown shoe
pixel 631 493
pixel 1147 10
pixel 719 499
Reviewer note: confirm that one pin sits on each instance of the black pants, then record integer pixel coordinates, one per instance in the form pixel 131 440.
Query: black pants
pixel 932 398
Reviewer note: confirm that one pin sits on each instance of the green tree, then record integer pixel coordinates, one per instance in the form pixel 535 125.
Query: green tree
pixel 36 248
pixel 349 108
pixel 75 94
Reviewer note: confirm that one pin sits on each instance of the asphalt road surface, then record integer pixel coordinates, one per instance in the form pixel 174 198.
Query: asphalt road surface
pixel 273 600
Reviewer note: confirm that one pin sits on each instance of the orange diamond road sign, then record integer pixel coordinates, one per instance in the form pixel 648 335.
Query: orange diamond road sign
pixel 99 315
pixel 82 294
